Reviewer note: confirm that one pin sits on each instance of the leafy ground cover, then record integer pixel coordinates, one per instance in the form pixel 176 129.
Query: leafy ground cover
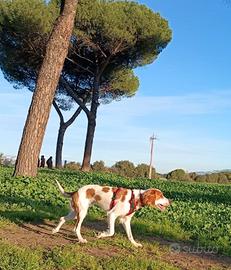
pixel 200 216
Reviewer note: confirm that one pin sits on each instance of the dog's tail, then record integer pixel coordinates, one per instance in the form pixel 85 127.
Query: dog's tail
pixel 64 193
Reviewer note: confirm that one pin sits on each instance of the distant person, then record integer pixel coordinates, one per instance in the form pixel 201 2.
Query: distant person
pixel 38 162
pixel 65 164
pixel 42 162
pixel 50 163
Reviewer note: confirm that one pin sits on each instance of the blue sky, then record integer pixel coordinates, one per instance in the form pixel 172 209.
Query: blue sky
pixel 184 98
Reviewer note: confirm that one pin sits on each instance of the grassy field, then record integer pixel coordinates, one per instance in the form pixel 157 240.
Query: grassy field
pixel 200 216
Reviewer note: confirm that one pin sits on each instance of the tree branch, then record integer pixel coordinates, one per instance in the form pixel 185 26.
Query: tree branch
pixel 58 111
pixel 82 57
pixel 77 112
pixel 62 6
pixel 72 93
pixel 103 53
pixel 104 65
pixel 86 41
pixel 86 69
pixel 117 48
pixel 74 116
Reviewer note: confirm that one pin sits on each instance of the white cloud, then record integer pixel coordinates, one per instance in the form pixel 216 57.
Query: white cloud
pixel 191 104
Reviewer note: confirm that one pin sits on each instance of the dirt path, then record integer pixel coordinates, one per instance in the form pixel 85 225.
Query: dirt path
pixel 179 254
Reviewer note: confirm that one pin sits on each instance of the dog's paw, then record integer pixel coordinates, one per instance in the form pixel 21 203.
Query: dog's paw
pixel 137 244
pixel 105 234
pixel 82 241
pixel 54 231
pixel 99 235
pixel 102 234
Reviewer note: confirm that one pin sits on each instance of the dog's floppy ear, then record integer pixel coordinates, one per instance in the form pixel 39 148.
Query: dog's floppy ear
pixel 149 197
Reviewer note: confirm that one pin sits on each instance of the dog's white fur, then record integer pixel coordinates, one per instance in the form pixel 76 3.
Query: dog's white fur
pixel 103 196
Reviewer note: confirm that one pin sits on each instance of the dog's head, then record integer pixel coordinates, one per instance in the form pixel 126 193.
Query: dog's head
pixel 155 198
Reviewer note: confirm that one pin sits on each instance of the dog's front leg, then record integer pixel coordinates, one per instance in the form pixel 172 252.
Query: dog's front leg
pixel 111 226
pixel 126 222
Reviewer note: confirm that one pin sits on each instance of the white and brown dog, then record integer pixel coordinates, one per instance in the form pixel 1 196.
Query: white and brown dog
pixel 118 202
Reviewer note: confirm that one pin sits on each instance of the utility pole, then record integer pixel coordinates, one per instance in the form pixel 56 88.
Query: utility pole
pixel 151 155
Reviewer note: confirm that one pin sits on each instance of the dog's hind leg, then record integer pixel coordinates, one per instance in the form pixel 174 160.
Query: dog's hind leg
pixel 80 217
pixel 70 216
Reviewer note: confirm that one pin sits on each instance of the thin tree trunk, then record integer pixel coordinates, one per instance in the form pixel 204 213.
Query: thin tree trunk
pixel 62 129
pixel 86 165
pixel 59 146
pixel 37 118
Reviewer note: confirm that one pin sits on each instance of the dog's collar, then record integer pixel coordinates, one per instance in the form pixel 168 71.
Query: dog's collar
pixel 133 202
pixel 113 203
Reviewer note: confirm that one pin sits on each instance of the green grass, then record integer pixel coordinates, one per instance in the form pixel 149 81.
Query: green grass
pixel 13 257
pixel 75 257
pixel 200 213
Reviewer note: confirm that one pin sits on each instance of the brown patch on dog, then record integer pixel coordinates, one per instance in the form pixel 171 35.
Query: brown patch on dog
pixel 105 189
pixel 125 192
pixel 74 201
pixel 121 194
pixel 90 193
pixel 151 195
pixel 75 206
pixel 97 198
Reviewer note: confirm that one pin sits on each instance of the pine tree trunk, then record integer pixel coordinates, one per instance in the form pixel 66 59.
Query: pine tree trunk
pixel 59 146
pixel 86 164
pixel 62 130
pixel 37 118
